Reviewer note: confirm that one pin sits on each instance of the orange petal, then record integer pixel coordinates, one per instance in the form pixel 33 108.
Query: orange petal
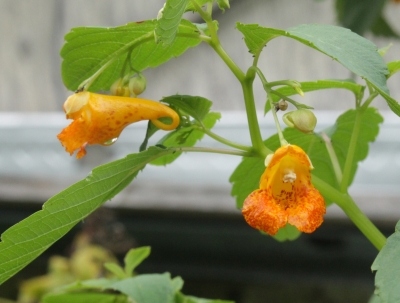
pixel 74 136
pixel 307 214
pixel 261 212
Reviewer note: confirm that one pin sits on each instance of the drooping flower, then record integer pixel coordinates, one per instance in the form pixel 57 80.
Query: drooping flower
pixel 286 194
pixel 100 119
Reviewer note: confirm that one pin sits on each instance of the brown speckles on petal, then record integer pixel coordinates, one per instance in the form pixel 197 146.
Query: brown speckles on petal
pixel 102 118
pixel 278 202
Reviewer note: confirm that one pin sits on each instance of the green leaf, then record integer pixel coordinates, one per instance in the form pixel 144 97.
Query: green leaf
pixel 383 29
pixel 134 257
pixel 26 240
pixel 89 49
pixel 387 267
pixel 393 67
pixel 359 15
pixel 223 4
pixel 354 52
pixel 287 233
pixel 167 25
pixel 196 107
pixel 256 37
pixel 342 136
pixel 190 6
pixel 246 178
pixel 147 288
pixel 393 104
pixel 185 136
pixel 116 270
pixel 309 86
pixel 89 297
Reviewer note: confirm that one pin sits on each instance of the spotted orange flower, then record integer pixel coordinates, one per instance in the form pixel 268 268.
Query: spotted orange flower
pixel 100 119
pixel 286 194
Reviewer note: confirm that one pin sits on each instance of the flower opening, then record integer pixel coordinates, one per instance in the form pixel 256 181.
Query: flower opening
pixel 286 195
pixel 100 119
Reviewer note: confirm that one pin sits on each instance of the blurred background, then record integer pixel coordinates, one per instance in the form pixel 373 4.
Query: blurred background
pixel 185 211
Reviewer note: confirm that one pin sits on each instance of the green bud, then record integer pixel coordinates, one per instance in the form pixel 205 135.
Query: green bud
pixel 302 119
pixel 137 85
pixel 223 4
pixel 119 88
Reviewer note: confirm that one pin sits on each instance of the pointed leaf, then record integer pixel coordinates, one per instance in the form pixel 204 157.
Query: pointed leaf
pixel 134 257
pixel 116 270
pixel 90 49
pixel 354 52
pixel 185 136
pixel 387 267
pixel 25 241
pixel 167 25
pixel 196 107
pixel 393 67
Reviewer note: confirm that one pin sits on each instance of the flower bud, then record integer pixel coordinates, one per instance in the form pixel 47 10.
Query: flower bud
pixel 223 4
pixel 302 119
pixel 281 105
pixel 119 88
pixel 137 85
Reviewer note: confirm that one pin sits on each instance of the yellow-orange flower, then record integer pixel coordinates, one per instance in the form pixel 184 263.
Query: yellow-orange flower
pixel 286 194
pixel 100 119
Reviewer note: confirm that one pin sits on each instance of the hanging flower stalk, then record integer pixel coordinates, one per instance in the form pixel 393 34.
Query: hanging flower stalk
pixel 100 119
pixel 286 194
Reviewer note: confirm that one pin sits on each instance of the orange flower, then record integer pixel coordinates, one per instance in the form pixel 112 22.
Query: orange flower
pixel 100 119
pixel 286 194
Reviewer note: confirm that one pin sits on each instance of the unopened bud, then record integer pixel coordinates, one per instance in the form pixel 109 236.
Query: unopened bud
pixel 119 88
pixel 223 4
pixel 137 85
pixel 281 105
pixel 302 119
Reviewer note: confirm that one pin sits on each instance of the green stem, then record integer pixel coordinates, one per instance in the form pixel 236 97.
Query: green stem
pixel 295 103
pixel 212 150
pixel 246 82
pixel 351 152
pixel 254 128
pixel 334 159
pixel 347 204
pixel 282 139
pixel 223 140
pixel 369 100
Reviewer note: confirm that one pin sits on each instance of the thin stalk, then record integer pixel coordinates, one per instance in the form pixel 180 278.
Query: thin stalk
pixel 268 90
pixel 351 152
pixel 347 204
pixel 223 140
pixel 369 100
pixel 333 157
pixel 282 139
pixel 212 150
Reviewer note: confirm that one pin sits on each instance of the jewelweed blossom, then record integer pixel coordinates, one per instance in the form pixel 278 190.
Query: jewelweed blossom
pixel 286 194
pixel 100 119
